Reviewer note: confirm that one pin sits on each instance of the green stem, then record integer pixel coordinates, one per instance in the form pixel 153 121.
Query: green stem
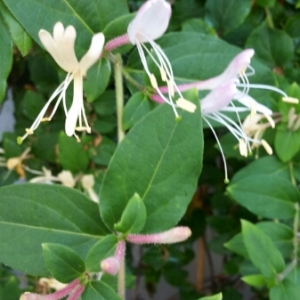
pixel 269 18
pixel 119 95
pixel 291 169
pixel 121 280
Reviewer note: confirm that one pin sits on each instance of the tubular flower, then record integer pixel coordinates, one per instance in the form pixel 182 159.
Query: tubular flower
pixel 61 46
pixel 150 23
pixel 233 84
pixel 73 290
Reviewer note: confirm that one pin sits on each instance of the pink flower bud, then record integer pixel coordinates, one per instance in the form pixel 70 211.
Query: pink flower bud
pixel 110 265
pixel 174 235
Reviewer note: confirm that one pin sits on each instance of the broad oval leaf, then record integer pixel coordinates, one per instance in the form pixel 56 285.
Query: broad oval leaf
pixel 160 159
pixel 44 214
pixel 285 290
pixel 266 196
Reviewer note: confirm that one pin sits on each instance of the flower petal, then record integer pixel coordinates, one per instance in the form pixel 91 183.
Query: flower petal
pixel 93 53
pixel 151 21
pixel 218 98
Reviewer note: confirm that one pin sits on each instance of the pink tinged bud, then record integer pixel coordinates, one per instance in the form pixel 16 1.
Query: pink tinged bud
pixel 54 296
pixel 174 235
pixel 218 99
pixel 150 22
pixel 111 265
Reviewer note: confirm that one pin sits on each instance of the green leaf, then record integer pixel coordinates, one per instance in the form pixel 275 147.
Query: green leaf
pixel 256 280
pixel 292 26
pixel 118 27
pixel 6 53
pixel 98 290
pixel 137 107
pixel 133 218
pixel 71 154
pixel 262 251
pixel 106 103
pixel 97 79
pixel 285 290
pixel 198 25
pixel 266 3
pixel 268 165
pixel 266 196
pixel 87 18
pixel 63 262
pixel 160 159
pixel 32 103
pixel 104 151
pixel 287 142
pixel 104 248
pixel 44 214
pixel 20 37
pixel 214 297
pixel 281 235
pixel 267 43
pixel 227 15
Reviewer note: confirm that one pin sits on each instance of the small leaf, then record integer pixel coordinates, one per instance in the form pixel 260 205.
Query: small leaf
pixel 20 37
pixel 227 15
pixel 287 142
pixel 214 297
pixel 71 154
pixel 63 262
pixel 266 3
pixel 267 43
pixel 101 250
pixel 98 290
pixel 262 251
pixel 256 280
pixel 137 107
pixel 97 79
pixel 6 54
pixel 134 216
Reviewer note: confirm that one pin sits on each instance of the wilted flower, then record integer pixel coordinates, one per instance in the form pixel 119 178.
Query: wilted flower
pixel 73 290
pixel 61 47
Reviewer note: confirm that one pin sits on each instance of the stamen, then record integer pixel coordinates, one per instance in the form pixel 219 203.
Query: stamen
pixel 270 120
pixel 296 124
pixel 267 147
pixel 290 100
pixel 186 105
pixel 153 81
pixel 253 110
pixel 29 131
pixel 243 148
pixel 170 88
pixel 163 74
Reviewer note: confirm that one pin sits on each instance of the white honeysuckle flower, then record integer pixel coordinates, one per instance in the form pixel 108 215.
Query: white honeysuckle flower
pixel 150 23
pixel 44 176
pixel 61 47
pixel 88 181
pixel 66 178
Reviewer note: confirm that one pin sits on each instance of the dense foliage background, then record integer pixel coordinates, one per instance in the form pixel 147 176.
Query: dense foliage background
pixel 252 222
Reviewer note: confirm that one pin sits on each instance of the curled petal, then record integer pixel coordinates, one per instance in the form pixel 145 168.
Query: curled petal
pixel 218 99
pixel 93 53
pixel 151 21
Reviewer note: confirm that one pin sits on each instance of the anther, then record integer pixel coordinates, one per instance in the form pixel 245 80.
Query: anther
pixel 267 147
pixel 186 105
pixel 163 74
pixel 290 100
pixel 153 81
